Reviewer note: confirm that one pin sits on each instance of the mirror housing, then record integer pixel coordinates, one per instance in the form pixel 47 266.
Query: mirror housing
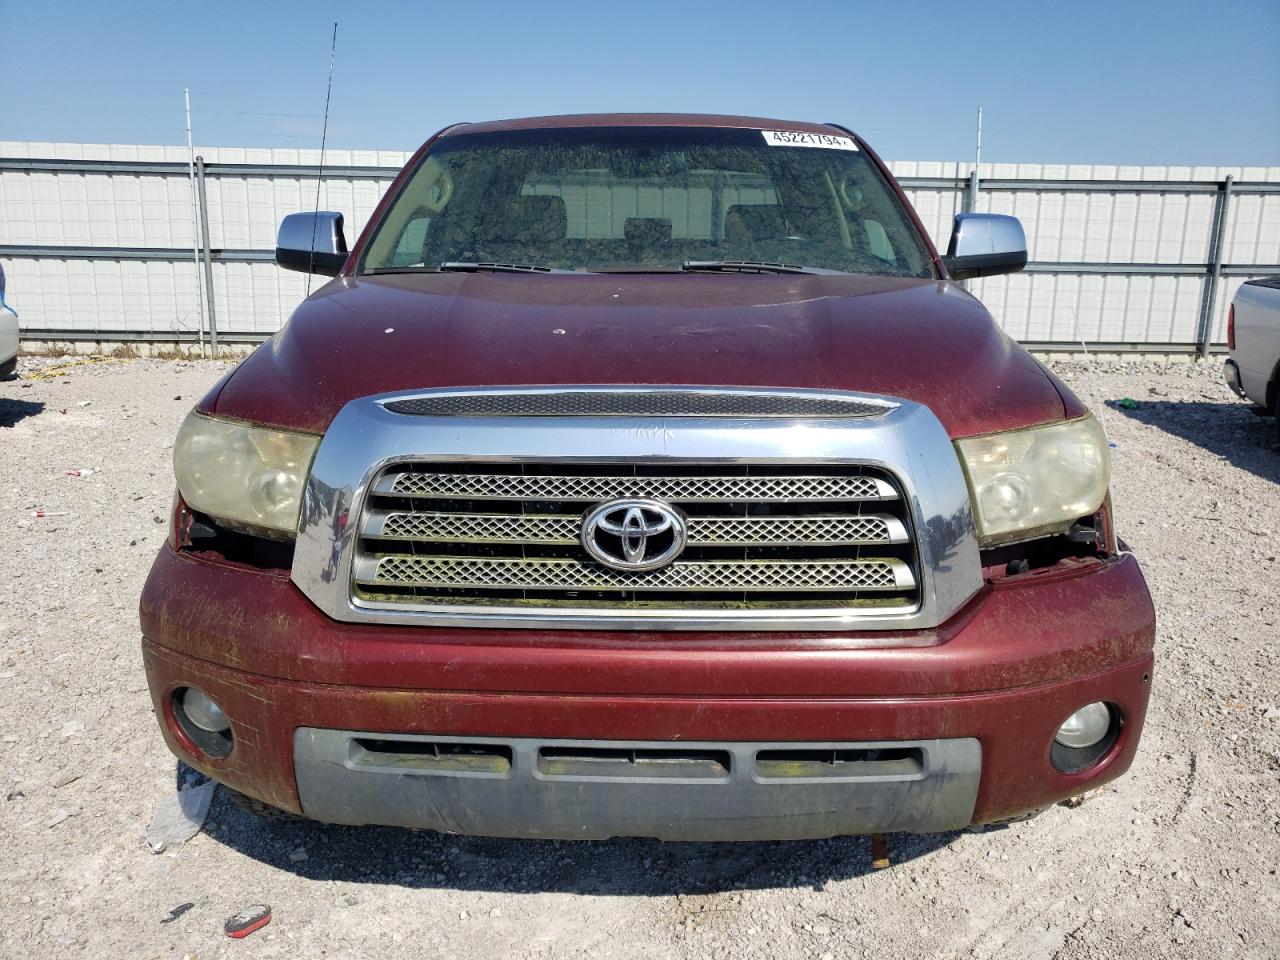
pixel 985 244
pixel 312 243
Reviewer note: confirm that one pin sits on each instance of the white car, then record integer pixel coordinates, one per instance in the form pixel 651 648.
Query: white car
pixel 8 335
pixel 1253 339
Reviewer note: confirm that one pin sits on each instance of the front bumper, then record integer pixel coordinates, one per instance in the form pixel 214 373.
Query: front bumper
pixel 595 789
pixel 301 689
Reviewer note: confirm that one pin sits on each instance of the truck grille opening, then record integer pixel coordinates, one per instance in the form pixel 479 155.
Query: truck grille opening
pixel 804 764
pixel 432 756
pixel 759 537
pixel 631 763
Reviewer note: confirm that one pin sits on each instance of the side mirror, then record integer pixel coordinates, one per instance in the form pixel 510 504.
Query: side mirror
pixel 985 244
pixel 312 243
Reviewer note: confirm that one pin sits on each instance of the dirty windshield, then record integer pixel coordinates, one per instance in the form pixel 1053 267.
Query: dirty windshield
pixel 647 198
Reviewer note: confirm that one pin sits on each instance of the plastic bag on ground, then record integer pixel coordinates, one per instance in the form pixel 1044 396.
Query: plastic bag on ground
pixel 180 816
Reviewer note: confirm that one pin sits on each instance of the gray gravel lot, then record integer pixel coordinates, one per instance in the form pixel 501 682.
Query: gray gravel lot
pixel 1179 858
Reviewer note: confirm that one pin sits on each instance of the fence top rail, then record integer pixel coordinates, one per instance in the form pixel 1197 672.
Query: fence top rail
pixel 1090 186
pixel 347 172
pixel 171 168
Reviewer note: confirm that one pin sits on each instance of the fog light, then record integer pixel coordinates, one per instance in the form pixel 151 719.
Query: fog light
pixel 1086 726
pixel 203 712
pixel 203 722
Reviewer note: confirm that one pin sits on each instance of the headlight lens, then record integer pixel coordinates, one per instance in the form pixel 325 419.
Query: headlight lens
pixel 243 474
pixel 1033 482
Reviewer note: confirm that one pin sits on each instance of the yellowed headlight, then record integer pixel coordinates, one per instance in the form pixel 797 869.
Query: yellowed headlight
pixel 1029 483
pixel 246 475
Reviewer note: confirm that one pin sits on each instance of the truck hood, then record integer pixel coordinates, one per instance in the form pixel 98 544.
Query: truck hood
pixel 924 340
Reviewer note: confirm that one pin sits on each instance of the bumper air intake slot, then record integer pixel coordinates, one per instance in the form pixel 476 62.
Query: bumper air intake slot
pixel 431 756
pixel 598 763
pixel 845 764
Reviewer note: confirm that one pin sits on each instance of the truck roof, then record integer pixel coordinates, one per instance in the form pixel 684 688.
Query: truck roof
pixel 639 120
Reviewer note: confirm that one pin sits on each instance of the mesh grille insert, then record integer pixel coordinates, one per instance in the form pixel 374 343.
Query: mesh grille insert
pixel 556 574
pixel 638 403
pixel 759 537
pixel 590 487
pixel 559 530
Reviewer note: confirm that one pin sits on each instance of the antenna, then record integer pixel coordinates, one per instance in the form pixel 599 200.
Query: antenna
pixel 324 134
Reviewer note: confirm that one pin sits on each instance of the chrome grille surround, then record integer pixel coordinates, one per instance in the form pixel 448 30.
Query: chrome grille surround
pixel 906 454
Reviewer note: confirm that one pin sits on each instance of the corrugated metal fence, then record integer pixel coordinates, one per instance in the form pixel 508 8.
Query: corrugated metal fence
pixel 97 240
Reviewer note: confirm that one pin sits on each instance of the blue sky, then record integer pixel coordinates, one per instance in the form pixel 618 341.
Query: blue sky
pixel 1119 82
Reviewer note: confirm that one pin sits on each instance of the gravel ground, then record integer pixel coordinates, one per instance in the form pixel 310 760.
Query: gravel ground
pixel 1176 859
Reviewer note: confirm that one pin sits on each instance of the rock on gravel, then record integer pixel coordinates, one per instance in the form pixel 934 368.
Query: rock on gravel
pixel 1177 859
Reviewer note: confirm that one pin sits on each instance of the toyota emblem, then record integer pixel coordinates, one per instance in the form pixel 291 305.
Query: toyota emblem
pixel 634 534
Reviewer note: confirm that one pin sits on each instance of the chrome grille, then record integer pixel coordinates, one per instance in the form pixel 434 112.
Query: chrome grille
pixel 508 535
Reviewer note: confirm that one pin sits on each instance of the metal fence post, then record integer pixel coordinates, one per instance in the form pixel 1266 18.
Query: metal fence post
pixel 1217 240
pixel 208 255
pixel 970 201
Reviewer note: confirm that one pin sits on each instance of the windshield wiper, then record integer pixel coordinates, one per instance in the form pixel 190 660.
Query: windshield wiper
pixel 466 266
pixel 689 266
pixel 743 266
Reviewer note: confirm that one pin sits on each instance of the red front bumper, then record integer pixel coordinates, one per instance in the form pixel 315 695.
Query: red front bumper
pixel 1007 670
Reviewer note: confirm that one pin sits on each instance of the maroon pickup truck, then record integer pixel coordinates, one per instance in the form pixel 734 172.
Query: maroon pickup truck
pixel 646 475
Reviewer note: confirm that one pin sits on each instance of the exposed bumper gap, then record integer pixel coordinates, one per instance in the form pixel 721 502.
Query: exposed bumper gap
pixel 431 756
pixel 841 764
pixel 575 761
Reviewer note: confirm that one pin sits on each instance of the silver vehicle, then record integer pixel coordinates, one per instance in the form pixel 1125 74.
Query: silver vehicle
pixel 8 335
pixel 1253 339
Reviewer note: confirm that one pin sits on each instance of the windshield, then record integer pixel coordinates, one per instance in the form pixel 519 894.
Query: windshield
pixel 647 198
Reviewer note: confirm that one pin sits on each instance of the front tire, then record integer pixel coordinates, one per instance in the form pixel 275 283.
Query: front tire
pixel 261 809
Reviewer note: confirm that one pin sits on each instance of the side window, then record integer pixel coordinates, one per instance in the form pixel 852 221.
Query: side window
pixel 412 239
pixel 399 238
pixel 599 205
pixel 878 232
pixel 878 241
